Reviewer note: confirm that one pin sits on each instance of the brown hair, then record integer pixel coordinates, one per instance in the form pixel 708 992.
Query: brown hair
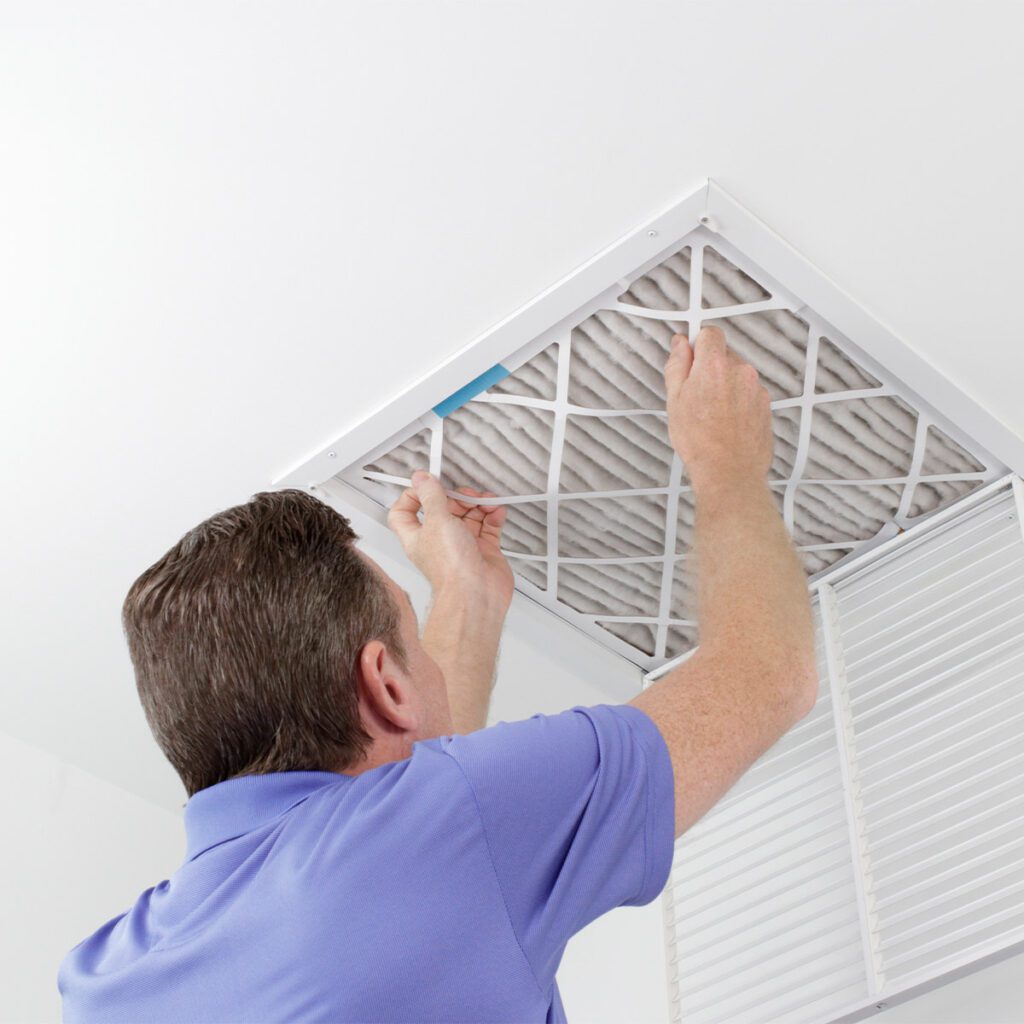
pixel 245 638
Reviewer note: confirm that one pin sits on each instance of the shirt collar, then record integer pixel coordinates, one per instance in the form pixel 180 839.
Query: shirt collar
pixel 237 806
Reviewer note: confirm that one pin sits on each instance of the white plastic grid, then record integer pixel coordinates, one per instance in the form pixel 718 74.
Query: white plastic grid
pixel 858 457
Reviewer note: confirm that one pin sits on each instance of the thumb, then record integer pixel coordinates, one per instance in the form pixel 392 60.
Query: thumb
pixel 402 518
pixel 431 494
pixel 680 359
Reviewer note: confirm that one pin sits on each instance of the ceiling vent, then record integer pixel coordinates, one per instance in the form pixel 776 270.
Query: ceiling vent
pixel 878 848
pixel 566 423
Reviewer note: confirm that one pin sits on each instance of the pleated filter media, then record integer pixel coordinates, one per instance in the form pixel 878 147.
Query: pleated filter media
pixel 571 433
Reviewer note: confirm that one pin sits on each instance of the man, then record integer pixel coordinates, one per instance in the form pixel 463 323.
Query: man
pixel 360 847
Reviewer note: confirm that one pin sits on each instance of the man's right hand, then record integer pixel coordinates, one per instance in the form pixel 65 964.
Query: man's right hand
pixel 719 414
pixel 458 544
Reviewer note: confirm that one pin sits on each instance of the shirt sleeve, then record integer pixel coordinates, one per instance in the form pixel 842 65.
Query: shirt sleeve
pixel 578 811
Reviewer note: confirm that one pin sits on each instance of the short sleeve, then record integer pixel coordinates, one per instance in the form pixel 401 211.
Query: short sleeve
pixel 578 811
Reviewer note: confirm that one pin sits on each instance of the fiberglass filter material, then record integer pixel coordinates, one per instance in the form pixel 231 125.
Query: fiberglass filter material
pixel 600 513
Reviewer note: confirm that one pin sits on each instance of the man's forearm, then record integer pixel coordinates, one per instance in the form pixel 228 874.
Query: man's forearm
pixel 462 634
pixel 753 602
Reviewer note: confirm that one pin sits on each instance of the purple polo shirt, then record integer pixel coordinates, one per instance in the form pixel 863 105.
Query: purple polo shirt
pixel 439 888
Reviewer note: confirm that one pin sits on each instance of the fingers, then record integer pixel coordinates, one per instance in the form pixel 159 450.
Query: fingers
pixel 709 347
pixel 680 359
pixel 494 515
pixel 748 372
pixel 462 508
pixel 402 518
pixel 430 493
pixel 427 492
pixel 710 344
pixel 487 520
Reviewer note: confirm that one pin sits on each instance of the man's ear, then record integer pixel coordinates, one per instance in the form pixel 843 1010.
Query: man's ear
pixel 385 687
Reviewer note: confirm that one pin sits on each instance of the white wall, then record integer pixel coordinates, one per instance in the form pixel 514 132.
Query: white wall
pixel 77 850
pixel 613 971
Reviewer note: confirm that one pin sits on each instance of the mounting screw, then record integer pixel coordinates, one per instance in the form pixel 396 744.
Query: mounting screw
pixel 332 455
pixel 652 234
pixel 881 1006
pixel 312 487
pixel 709 222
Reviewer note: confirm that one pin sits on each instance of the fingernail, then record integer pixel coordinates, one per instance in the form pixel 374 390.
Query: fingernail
pixel 676 338
pixel 419 476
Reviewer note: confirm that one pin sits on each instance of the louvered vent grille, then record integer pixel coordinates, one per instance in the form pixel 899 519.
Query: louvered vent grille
pixel 763 897
pixel 880 844
pixel 933 650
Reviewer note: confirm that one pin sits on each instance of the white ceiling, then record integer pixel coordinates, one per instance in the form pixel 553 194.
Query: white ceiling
pixel 228 231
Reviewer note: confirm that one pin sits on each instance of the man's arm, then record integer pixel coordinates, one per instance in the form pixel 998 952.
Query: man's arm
pixel 462 634
pixel 458 548
pixel 753 675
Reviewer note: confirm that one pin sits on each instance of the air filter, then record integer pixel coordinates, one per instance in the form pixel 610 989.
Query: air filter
pixel 568 427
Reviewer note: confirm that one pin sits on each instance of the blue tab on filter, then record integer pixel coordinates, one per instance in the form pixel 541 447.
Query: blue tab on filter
pixel 471 390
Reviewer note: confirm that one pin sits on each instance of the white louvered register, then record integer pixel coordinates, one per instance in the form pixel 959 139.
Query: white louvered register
pixel 879 845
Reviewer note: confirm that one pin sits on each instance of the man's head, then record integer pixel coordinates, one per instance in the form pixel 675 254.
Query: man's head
pixel 265 641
